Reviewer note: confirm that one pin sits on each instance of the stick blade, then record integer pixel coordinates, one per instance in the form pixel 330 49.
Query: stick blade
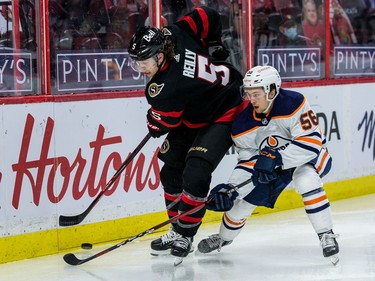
pixel 70 220
pixel 72 259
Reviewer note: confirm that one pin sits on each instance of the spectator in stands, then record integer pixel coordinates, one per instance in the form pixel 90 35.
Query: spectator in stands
pixel 289 32
pixel 312 26
pixel 356 13
pixel 263 35
pixel 342 30
pixel 266 6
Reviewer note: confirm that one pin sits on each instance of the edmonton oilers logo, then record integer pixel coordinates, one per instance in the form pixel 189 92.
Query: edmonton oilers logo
pixel 272 141
pixel 275 142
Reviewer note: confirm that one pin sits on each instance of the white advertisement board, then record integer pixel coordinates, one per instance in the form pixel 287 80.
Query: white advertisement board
pixel 57 157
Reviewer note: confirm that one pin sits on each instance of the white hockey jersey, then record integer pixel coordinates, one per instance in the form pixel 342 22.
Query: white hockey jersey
pixel 291 127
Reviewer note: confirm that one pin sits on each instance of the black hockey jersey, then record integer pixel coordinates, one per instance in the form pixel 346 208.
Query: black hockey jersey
pixel 194 89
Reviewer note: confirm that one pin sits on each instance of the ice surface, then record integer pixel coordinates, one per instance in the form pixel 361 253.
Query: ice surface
pixel 275 247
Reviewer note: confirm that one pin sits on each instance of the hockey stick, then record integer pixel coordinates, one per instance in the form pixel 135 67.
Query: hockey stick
pixel 73 260
pixel 73 220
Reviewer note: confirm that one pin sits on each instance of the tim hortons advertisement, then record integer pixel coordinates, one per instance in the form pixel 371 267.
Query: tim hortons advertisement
pixel 57 157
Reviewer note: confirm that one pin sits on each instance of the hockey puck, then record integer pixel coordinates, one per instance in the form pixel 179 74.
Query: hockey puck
pixel 86 246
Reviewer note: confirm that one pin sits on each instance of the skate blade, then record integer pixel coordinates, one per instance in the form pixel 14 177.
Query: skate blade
pixel 178 261
pixel 334 259
pixel 160 253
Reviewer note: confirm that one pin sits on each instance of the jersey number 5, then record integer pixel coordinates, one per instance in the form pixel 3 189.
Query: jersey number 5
pixel 308 119
pixel 210 72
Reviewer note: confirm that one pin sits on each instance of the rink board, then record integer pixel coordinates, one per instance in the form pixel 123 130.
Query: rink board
pixel 56 157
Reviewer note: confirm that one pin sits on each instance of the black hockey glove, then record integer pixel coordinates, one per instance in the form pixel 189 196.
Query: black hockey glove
pixel 219 52
pixel 153 128
pixel 267 161
pixel 219 199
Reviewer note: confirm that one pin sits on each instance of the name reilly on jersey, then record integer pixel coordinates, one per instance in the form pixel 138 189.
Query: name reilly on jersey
pixel 189 63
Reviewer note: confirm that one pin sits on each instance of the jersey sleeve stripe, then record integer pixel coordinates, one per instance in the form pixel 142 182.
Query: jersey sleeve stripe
pixel 307 147
pixel 192 125
pixel 191 23
pixel 247 164
pixel 310 140
pixel 174 114
pixel 169 125
pixel 205 22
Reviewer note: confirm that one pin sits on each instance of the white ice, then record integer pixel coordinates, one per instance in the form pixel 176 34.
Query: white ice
pixel 280 246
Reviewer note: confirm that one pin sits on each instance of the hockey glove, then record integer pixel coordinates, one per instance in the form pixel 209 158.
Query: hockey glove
pixel 220 53
pixel 219 199
pixel 267 161
pixel 153 128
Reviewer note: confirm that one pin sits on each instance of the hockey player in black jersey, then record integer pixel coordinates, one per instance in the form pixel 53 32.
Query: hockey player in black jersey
pixel 194 97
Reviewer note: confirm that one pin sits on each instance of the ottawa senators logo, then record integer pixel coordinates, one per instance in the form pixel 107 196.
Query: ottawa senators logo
pixel 164 147
pixel 155 89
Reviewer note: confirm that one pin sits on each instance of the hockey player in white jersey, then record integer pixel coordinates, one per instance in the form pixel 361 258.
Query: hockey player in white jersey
pixel 278 141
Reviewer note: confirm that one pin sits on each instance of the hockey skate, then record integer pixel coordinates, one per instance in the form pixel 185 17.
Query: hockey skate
pixel 162 245
pixel 181 247
pixel 213 242
pixel 330 246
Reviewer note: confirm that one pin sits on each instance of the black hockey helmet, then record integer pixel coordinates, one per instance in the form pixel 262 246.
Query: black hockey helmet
pixel 146 43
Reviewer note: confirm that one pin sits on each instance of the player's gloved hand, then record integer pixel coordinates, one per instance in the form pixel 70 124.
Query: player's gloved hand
pixel 219 52
pixel 267 161
pixel 153 127
pixel 219 199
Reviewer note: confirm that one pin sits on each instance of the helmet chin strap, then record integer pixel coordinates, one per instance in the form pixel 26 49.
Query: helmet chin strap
pixel 268 107
pixel 270 102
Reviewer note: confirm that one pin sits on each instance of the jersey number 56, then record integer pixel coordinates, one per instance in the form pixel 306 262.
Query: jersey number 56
pixel 308 119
